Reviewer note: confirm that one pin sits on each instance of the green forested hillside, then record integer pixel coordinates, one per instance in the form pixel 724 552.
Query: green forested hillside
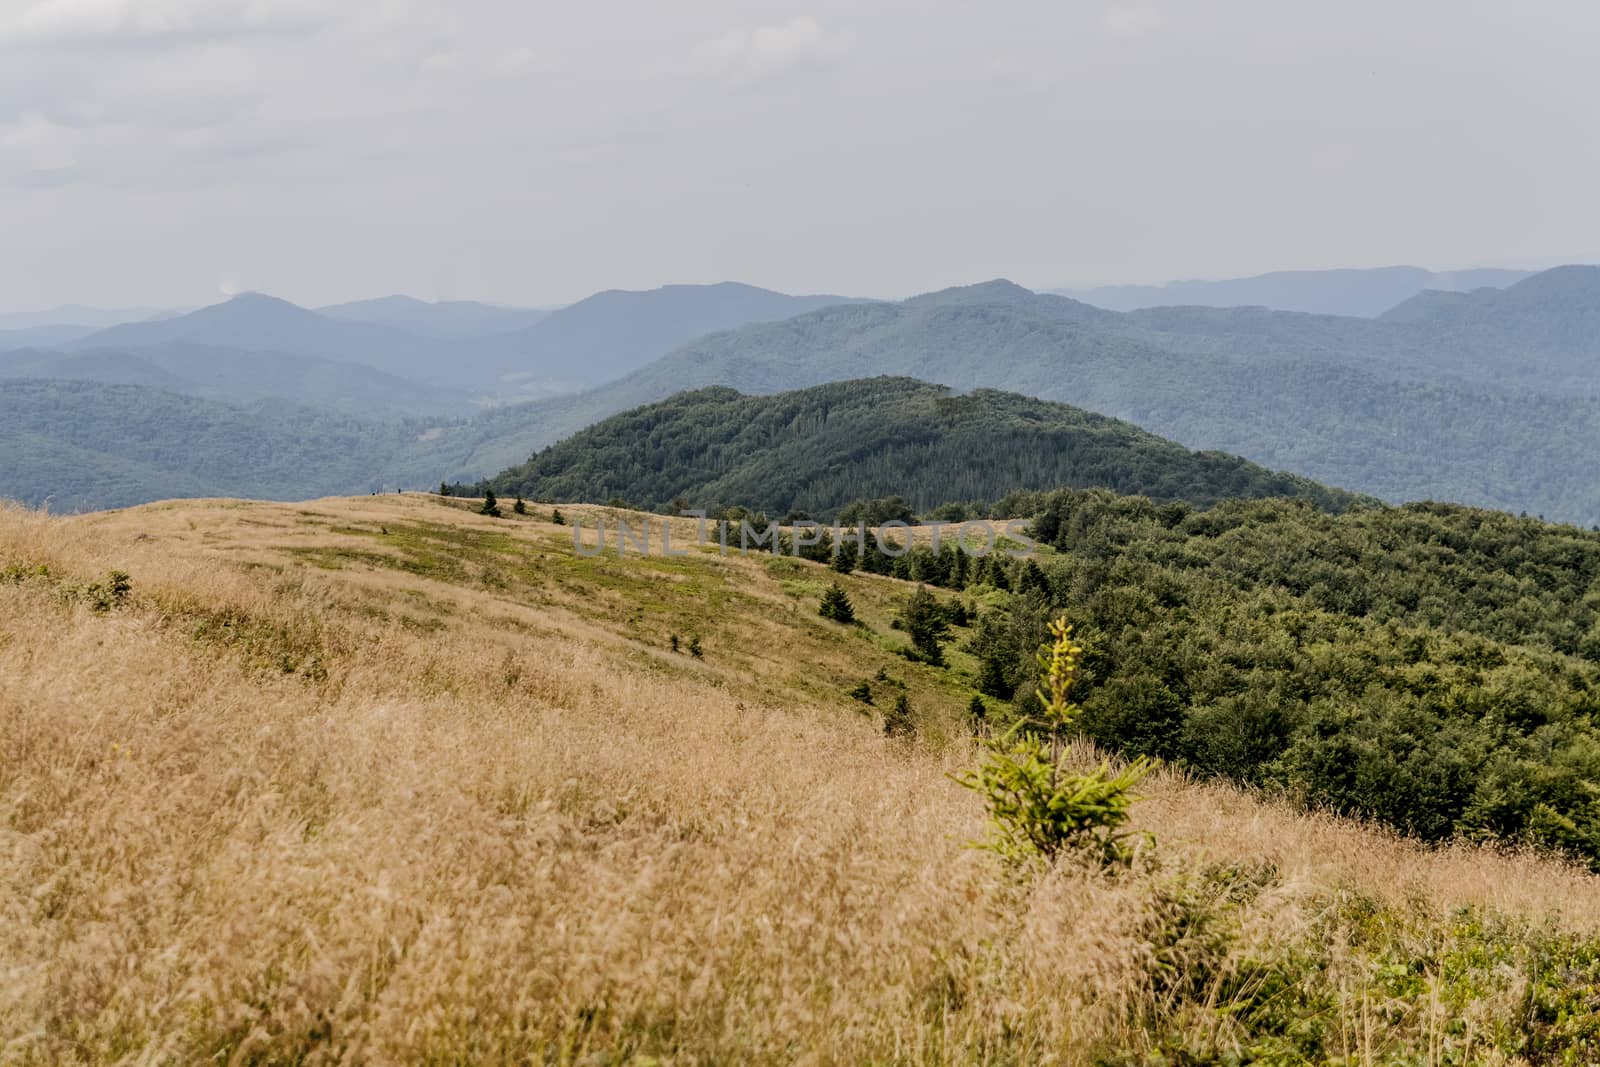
pixel 817 449
pixel 1434 667
pixel 83 445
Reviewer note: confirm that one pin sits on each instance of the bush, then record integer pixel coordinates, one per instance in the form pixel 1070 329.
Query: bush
pixel 491 506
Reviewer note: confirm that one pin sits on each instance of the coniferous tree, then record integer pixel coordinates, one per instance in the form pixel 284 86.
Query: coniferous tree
pixel 491 506
pixel 924 622
pixel 558 518
pixel 519 507
pixel 836 605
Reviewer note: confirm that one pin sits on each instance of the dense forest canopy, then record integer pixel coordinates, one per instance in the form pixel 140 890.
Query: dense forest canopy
pixel 1434 667
pixel 815 450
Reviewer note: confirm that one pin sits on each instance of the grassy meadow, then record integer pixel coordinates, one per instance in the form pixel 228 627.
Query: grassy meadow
pixel 381 780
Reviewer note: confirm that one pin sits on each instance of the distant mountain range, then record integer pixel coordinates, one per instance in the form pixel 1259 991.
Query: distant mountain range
pixel 817 449
pixel 91 318
pixel 1396 409
pixel 1364 293
pixel 465 348
pixel 446 318
pixel 228 375
pixel 1489 397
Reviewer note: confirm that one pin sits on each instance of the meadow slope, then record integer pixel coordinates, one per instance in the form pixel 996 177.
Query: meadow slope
pixel 379 780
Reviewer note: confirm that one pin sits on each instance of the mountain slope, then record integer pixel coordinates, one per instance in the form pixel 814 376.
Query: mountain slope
pixel 817 449
pixel 1543 332
pixel 1364 293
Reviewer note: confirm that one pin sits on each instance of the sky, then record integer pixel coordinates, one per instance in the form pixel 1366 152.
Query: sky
pixel 169 152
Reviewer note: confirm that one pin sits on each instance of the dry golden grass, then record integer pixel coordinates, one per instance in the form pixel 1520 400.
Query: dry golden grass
pixel 318 794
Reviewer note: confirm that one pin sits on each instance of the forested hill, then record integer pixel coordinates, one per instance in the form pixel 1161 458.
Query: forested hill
pixel 815 450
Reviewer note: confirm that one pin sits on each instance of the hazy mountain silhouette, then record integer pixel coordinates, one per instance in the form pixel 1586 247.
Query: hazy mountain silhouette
pixel 80 315
pixel 232 376
pixel 1356 292
pixel 617 331
pixel 256 322
pixel 446 318
pixel 41 336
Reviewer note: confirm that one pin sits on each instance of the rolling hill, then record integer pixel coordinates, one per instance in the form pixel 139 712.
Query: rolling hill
pixel 817 449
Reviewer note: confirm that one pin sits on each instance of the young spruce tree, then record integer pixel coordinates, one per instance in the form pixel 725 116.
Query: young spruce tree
pixel 1038 807
pixel 836 605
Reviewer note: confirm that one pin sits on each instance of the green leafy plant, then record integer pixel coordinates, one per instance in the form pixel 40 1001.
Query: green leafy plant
pixel 1038 808
pixel 107 594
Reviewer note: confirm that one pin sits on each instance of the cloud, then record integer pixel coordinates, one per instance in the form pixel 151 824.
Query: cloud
pixel 506 63
pixel 746 57
pixel 146 21
pixel 1133 21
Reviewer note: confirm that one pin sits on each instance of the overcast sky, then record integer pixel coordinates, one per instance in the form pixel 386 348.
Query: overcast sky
pixel 166 151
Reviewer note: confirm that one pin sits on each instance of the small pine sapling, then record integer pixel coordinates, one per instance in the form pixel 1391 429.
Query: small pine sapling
pixel 1038 807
